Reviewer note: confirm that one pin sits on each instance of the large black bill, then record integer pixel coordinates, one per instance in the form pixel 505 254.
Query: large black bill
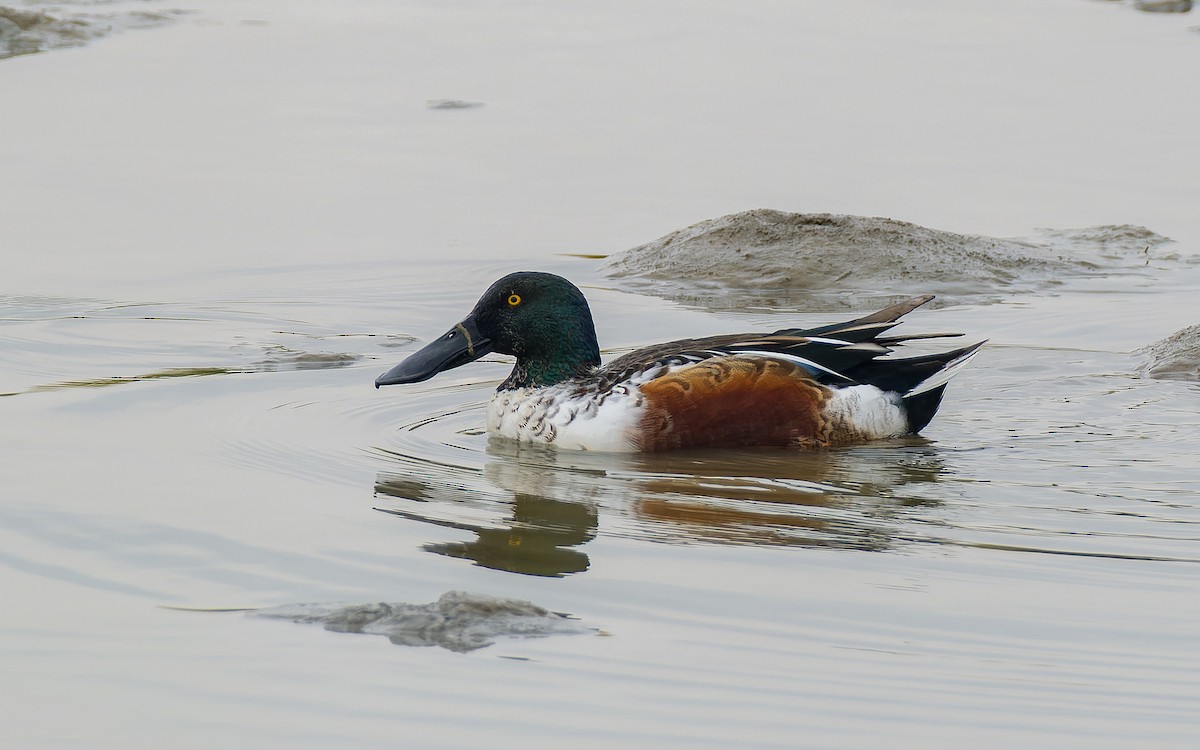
pixel 458 346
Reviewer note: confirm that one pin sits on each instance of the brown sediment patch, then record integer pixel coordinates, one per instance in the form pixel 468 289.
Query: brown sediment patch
pixel 175 372
pixel 278 360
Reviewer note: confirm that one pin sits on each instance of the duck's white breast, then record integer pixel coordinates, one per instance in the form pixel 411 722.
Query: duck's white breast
pixel 558 416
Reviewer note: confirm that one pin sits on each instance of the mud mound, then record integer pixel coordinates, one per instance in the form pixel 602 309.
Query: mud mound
pixel 1177 357
pixel 25 32
pixel 833 261
pixel 458 621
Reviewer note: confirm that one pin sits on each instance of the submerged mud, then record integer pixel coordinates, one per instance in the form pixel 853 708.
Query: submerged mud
pixel 283 358
pixel 1177 357
pixel 457 621
pixel 25 32
pixel 831 261
pixel 1163 6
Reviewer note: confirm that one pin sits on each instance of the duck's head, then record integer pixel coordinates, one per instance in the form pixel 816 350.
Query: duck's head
pixel 541 319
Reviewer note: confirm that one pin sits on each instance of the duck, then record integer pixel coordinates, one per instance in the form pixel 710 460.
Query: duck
pixel 803 388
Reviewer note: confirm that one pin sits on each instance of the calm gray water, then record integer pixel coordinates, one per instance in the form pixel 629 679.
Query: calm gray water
pixel 218 232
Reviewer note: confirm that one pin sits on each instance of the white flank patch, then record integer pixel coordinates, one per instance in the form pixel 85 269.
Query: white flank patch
pixel 553 417
pixel 864 412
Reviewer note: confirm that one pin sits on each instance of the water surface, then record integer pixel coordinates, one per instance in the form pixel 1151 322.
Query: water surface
pixel 204 275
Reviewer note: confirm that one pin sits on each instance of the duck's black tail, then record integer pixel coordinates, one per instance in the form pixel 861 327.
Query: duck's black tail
pixel 921 381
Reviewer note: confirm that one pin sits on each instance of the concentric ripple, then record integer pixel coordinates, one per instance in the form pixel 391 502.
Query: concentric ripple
pixel 1057 480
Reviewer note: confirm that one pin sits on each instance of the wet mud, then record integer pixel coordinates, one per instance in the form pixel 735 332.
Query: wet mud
pixel 282 358
pixel 1163 6
pixel 1177 357
pixel 26 32
pixel 457 621
pixel 833 261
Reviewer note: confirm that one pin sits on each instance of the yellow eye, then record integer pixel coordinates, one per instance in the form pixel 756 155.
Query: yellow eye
pixel 514 299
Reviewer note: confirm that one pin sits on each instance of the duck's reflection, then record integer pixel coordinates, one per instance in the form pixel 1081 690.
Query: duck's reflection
pixel 849 498
pixel 547 521
pixel 538 539
pixel 854 498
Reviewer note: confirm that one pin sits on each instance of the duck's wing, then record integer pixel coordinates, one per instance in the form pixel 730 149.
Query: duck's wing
pixel 829 353
pixel 887 317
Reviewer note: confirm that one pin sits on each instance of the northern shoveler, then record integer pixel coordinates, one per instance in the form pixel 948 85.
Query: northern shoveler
pixel 795 387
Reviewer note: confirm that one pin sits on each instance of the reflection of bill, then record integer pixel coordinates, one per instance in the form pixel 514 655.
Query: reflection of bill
pixel 854 498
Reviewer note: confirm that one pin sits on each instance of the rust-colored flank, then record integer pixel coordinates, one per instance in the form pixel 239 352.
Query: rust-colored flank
pixel 733 401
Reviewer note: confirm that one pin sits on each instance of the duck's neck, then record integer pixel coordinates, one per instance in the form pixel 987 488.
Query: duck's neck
pixel 554 365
